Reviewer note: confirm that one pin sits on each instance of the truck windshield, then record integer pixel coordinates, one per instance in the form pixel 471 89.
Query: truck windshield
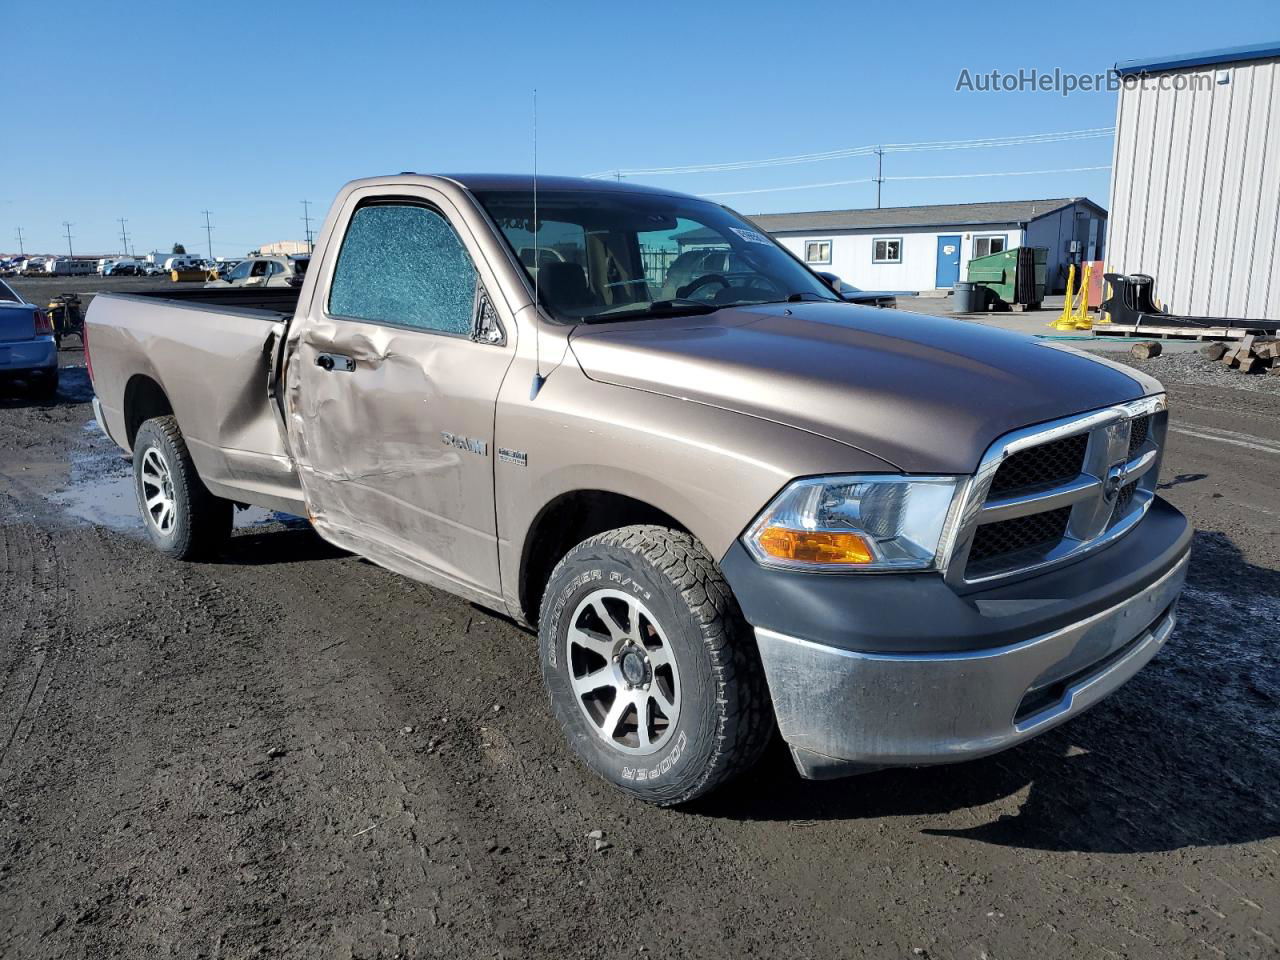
pixel 603 256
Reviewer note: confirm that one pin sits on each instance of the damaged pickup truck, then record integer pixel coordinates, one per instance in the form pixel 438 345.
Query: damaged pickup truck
pixel 728 501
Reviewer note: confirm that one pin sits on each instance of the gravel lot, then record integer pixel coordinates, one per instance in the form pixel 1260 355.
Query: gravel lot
pixel 291 752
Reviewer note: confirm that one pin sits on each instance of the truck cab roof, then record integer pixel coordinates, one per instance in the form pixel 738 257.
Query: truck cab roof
pixel 519 181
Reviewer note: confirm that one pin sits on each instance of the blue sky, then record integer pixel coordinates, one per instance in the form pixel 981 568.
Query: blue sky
pixel 155 112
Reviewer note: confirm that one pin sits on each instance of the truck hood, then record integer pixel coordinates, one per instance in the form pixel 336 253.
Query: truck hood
pixel 927 394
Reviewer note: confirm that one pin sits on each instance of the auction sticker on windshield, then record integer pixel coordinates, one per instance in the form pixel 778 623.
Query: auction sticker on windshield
pixel 751 236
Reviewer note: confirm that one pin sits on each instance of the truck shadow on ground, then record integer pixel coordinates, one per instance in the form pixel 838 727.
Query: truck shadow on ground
pixel 1186 754
pixel 285 540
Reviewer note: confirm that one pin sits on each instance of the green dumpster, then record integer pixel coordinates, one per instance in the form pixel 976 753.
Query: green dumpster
pixel 1013 279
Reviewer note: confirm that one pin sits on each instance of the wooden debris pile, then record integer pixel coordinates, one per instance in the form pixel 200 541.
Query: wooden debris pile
pixel 1249 355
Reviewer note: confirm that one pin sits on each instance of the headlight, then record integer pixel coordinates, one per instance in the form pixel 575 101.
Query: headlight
pixel 854 524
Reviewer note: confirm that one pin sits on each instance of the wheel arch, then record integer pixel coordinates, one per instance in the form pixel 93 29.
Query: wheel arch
pixel 568 519
pixel 144 399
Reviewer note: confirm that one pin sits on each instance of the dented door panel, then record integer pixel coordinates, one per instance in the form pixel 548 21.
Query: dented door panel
pixel 392 429
pixel 379 463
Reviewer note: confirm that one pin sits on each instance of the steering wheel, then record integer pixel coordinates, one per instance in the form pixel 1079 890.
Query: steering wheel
pixel 697 283
pixel 752 281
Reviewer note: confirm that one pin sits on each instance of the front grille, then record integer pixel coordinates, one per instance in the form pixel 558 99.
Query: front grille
pixel 1021 533
pixel 1050 463
pixel 1138 431
pixel 1123 499
pixel 1046 497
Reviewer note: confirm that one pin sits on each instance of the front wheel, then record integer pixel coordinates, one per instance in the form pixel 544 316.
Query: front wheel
pixel 652 672
pixel 182 518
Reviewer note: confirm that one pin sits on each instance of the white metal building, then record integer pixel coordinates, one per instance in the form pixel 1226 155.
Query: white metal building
pixel 1195 189
pixel 929 247
pixel 284 248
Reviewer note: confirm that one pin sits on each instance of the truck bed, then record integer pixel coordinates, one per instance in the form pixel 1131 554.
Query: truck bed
pixel 206 355
pixel 275 300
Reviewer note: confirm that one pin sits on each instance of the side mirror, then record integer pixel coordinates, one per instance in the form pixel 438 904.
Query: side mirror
pixel 834 282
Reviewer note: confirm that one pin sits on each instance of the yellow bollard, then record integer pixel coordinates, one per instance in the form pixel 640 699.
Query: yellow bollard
pixel 1082 318
pixel 1067 321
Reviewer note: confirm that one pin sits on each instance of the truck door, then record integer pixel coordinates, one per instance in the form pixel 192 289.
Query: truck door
pixel 392 382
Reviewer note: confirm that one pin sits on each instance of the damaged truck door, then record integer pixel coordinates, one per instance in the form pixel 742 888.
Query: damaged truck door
pixel 386 376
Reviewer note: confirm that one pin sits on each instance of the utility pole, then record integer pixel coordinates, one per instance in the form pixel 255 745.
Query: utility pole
pixel 306 219
pixel 879 173
pixel 21 250
pixel 67 226
pixel 208 232
pixel 124 237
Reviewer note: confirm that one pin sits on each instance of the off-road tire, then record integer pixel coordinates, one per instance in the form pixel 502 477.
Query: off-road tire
pixel 725 719
pixel 202 522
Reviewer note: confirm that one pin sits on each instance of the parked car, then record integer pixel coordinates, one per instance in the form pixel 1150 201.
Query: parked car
pixel 126 267
pixel 104 266
pixel 908 540
pixel 264 272
pixel 27 348
pixel 152 270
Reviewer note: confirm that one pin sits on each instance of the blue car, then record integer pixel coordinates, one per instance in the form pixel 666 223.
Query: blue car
pixel 27 348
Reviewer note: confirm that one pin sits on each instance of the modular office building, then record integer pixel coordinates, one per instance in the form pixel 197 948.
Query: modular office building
pixel 1195 189
pixel 929 247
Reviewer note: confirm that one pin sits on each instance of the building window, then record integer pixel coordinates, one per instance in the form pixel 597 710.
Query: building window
pixel 817 251
pixel 985 246
pixel 886 250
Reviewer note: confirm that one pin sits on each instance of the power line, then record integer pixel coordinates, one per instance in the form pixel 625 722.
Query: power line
pixel 1011 173
pixel 124 236
pixel 863 151
pixel 877 180
pixel 21 250
pixel 802 186
pixel 67 226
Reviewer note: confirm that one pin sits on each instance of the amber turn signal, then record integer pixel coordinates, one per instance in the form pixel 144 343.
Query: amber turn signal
pixel 811 547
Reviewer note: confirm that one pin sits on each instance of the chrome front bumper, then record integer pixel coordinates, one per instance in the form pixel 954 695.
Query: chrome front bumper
pixel 842 711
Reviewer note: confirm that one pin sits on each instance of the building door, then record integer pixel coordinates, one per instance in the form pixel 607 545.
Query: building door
pixel 948 260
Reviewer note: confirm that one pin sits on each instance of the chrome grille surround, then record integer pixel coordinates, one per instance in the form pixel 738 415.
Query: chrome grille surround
pixel 1113 491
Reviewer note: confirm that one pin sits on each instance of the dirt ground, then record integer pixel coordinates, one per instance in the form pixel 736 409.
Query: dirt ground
pixel 291 752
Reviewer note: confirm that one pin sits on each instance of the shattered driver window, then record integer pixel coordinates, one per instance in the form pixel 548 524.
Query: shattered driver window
pixel 404 264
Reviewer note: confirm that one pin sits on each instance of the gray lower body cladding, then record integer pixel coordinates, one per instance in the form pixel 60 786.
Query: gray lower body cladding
pixel 909 677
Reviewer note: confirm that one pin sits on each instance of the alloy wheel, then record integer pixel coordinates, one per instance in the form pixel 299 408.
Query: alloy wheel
pixel 623 671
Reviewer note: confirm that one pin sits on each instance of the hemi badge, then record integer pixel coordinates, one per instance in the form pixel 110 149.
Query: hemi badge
pixel 518 457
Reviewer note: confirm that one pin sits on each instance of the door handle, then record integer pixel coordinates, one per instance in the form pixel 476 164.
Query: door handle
pixel 335 361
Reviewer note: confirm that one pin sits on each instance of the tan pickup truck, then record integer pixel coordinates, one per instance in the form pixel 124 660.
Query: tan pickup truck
pixel 729 502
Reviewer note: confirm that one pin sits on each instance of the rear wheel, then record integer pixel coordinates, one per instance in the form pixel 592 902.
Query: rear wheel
pixel 652 672
pixel 182 518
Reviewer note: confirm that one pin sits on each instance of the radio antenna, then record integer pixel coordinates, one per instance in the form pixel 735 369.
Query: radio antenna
pixel 538 378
